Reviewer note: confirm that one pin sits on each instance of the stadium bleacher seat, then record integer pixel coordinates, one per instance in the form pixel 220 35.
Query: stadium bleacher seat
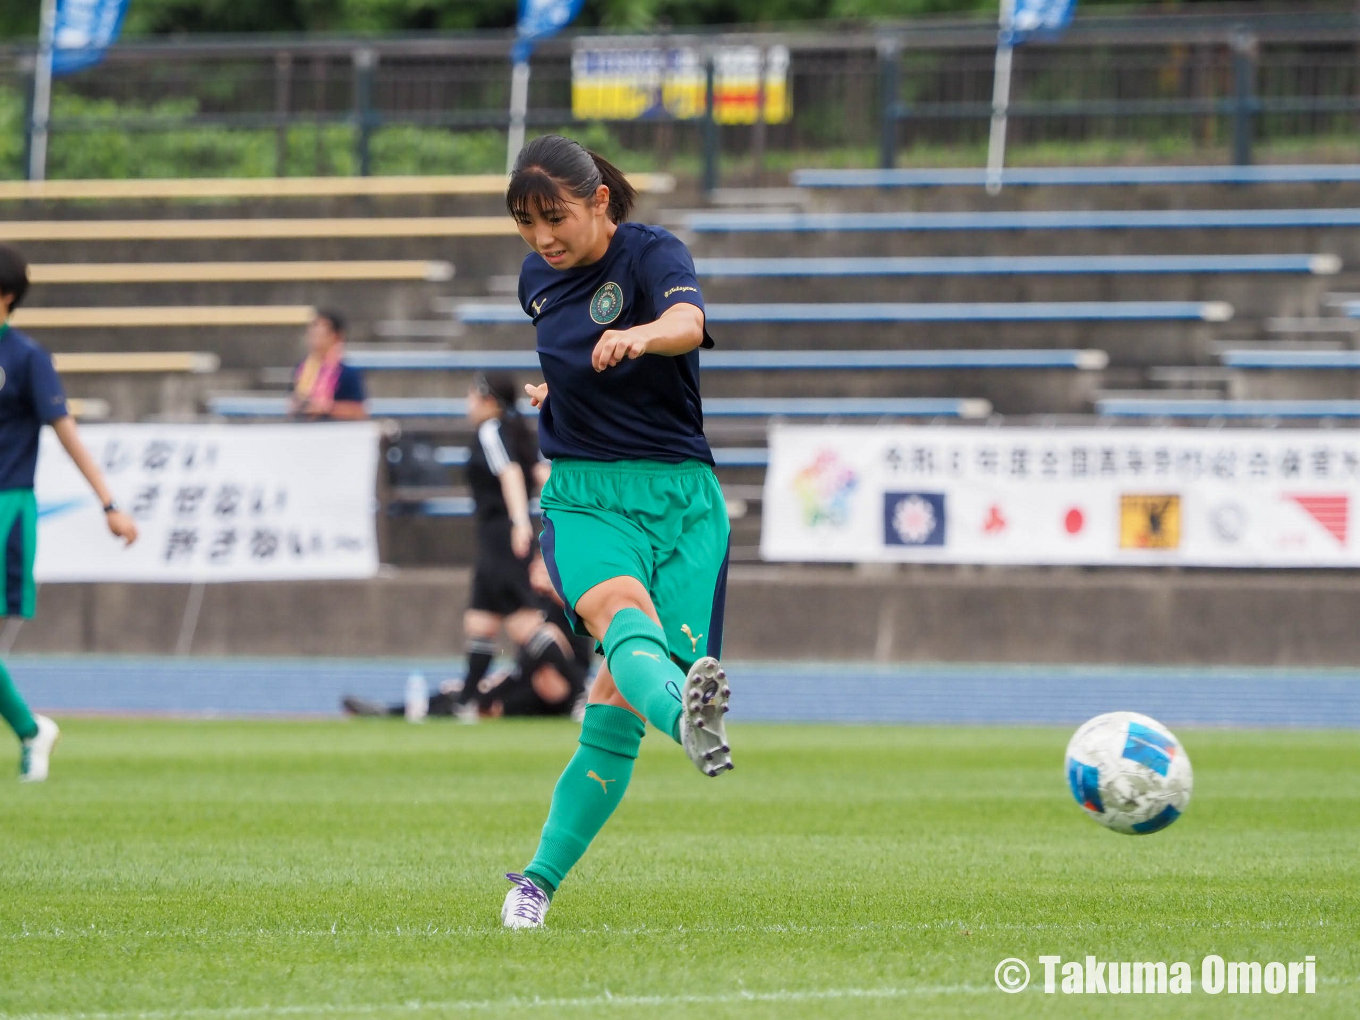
pixel 281 187
pixel 1071 219
pixel 1291 359
pixel 723 456
pixel 1080 175
pixel 763 361
pixel 150 362
pixel 241 272
pixel 1170 407
pixel 143 317
pixel 478 313
pixel 257 229
pixel 1022 265
pixel 88 408
pixel 248 405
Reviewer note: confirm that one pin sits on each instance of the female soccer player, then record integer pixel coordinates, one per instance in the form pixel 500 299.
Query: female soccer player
pixel 31 396
pixel 635 529
pixel 500 470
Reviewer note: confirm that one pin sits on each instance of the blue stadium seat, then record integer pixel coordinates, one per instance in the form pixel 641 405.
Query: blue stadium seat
pixel 1291 359
pixel 1080 175
pixel 252 406
pixel 764 361
pixel 477 313
pixel 1073 219
pixel 1162 407
pixel 724 456
pixel 1020 265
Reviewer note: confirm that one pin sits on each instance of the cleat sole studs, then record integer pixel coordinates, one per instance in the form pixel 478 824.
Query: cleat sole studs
pixel 698 724
pixel 730 766
pixel 727 692
pixel 727 708
pixel 709 756
pixel 712 773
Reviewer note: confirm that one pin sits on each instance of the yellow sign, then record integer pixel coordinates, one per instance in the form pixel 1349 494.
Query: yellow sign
pixel 1149 522
pixel 613 82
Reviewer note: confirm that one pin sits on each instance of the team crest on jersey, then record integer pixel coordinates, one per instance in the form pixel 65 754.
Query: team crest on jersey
pixel 607 303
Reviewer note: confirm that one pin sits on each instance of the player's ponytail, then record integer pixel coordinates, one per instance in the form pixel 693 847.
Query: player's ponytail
pixel 622 195
pixel 551 166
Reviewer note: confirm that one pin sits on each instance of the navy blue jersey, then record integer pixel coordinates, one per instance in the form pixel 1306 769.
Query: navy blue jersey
pixel 350 384
pixel 30 397
pixel 644 409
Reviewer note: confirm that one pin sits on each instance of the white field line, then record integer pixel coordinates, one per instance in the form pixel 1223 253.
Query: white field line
pixel 342 930
pixel 517 1004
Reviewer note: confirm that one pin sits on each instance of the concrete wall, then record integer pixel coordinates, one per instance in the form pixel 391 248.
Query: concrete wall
pixel 812 613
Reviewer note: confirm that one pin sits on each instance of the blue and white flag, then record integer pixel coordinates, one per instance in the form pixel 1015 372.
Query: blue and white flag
pixel 1040 19
pixel 84 29
pixel 542 19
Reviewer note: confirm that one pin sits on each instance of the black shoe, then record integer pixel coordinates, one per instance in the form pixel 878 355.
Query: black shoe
pixel 362 706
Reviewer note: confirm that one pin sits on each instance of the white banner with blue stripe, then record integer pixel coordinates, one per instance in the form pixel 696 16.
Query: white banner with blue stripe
pixel 84 30
pixel 214 503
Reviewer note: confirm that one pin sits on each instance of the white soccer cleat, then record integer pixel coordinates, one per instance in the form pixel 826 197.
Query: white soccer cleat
pixel 525 904
pixel 35 754
pixel 703 704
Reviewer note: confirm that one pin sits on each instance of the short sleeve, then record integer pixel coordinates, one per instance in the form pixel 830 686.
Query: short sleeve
pixel 666 274
pixel 350 385
pixel 44 388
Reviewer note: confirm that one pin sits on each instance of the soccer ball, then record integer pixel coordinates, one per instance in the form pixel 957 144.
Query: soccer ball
pixel 1129 773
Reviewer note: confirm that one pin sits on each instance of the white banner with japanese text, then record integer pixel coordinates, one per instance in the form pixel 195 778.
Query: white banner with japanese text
pixel 214 503
pixel 1098 496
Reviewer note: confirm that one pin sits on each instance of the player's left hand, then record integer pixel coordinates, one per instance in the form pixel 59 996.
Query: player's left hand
pixel 122 526
pixel 615 345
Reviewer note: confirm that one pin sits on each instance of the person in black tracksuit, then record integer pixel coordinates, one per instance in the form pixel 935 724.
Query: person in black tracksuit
pixel 501 471
pixel 552 662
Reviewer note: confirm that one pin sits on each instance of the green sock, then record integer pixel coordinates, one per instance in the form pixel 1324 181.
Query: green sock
pixel 640 662
pixel 588 792
pixel 14 709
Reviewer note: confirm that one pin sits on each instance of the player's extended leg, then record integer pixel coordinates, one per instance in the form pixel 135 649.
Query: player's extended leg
pixel 590 788
pixel 18 544
pixel 480 630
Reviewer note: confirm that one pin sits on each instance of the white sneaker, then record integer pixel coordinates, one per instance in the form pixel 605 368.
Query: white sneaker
pixel 703 703
pixel 525 904
pixel 35 754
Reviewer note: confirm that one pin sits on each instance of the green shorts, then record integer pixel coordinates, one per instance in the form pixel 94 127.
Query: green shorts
pixel 18 545
pixel 664 524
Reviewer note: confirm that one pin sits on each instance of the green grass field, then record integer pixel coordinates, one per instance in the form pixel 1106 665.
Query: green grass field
pixel 284 869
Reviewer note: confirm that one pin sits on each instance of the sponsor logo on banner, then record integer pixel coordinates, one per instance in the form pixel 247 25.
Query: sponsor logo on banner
pixel 1331 511
pixel 1075 521
pixel 913 518
pixel 995 522
pixel 1149 522
pixel 1229 522
pixel 824 489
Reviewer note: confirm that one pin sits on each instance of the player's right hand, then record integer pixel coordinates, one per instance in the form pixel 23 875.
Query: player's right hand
pixel 537 394
pixel 122 526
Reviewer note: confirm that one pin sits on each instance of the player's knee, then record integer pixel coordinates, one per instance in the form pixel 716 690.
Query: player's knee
pixel 550 685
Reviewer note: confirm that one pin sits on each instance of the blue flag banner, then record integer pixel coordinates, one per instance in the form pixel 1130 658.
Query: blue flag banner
pixel 1040 19
pixel 542 19
pixel 84 30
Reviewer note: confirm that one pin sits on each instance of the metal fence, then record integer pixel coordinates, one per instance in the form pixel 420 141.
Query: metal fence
pixel 1180 89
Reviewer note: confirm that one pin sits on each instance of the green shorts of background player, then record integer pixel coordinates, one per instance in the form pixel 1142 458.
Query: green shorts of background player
pixel 31 396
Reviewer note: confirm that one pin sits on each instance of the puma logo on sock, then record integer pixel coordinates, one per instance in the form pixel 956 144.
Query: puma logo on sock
pixel 604 783
pixel 650 655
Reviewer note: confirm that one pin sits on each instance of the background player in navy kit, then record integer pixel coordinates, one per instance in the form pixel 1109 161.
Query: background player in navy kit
pixel 635 528
pixel 31 396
